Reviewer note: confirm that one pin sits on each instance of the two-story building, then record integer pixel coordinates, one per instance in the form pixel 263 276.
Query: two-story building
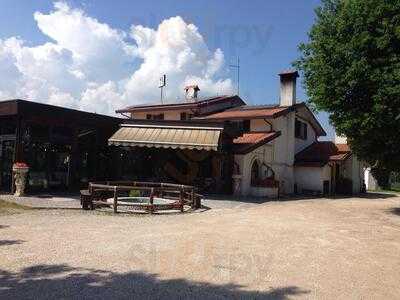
pixel 224 145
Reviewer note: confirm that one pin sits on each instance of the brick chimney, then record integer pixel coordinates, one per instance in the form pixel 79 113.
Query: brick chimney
pixel 191 92
pixel 288 87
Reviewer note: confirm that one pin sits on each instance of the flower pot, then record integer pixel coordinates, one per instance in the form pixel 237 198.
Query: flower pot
pixel 20 173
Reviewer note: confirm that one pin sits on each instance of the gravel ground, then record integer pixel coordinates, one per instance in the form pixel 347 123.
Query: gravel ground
pixel 45 201
pixel 316 248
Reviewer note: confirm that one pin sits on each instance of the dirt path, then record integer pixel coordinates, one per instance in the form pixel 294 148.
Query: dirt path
pixel 345 248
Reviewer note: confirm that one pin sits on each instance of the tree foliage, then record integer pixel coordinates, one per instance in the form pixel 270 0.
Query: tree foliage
pixel 351 68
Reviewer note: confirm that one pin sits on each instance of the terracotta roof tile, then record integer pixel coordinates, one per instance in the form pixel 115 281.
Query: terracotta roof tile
pixel 178 105
pixel 249 112
pixel 343 147
pixel 252 140
pixel 320 153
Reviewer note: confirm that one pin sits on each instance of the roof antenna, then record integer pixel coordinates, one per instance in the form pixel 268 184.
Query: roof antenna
pixel 237 67
pixel 161 85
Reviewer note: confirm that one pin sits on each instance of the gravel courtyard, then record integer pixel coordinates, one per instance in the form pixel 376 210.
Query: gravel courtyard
pixel 318 248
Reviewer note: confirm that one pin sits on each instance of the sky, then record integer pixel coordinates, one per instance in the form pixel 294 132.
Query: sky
pixel 100 56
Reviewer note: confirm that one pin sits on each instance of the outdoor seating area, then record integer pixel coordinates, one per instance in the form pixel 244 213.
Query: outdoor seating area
pixel 147 197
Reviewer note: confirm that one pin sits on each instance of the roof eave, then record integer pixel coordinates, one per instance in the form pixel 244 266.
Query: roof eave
pixel 259 144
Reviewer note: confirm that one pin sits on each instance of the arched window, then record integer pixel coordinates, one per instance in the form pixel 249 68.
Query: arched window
pixel 255 176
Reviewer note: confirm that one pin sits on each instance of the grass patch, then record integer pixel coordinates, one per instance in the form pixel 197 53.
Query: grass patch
pixel 393 189
pixel 7 207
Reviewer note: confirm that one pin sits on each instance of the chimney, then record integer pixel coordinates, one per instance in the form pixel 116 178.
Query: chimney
pixel 191 92
pixel 288 87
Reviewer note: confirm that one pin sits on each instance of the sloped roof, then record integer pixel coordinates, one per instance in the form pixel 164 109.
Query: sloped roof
pixel 179 105
pixel 249 112
pixel 319 154
pixel 252 140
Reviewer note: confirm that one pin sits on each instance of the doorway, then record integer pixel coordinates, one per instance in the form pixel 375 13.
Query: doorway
pixel 6 162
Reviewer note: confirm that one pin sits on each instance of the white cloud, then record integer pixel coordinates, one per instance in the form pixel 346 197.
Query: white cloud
pixel 89 65
pixel 107 94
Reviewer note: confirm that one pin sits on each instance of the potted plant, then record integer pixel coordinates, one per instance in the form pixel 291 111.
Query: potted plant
pixel 20 170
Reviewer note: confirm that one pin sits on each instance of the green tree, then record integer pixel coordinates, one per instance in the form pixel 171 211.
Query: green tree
pixel 351 68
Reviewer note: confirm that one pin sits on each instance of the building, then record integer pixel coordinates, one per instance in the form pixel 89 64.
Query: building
pixel 219 144
pixel 223 145
pixel 64 148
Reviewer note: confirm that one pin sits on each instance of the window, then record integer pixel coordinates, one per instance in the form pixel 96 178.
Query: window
pixel 246 125
pixel 300 131
pixel 155 117
pixel 183 116
pixel 243 126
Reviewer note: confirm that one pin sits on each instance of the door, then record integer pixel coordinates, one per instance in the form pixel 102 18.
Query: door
pixel 6 162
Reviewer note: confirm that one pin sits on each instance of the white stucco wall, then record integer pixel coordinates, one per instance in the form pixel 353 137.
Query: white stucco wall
pixel 284 152
pixel 280 159
pixel 312 178
pixel 370 181
pixel 308 178
pixel 264 154
pixel 284 149
pixel 356 174
pixel 301 144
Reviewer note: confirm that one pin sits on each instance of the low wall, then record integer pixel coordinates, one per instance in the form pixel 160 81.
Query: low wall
pixel 268 192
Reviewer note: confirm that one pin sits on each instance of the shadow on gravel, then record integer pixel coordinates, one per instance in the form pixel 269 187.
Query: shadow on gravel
pixel 395 211
pixel 299 197
pixel 62 281
pixel 376 195
pixel 10 242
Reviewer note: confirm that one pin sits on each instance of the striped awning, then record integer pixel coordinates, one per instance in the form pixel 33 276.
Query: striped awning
pixel 163 136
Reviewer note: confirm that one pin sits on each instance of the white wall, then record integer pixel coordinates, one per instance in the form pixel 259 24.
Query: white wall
pixel 308 178
pixel 284 152
pixel 356 174
pixel 311 138
pixel 370 181
pixel 312 178
pixel 284 148
pixel 264 154
pixel 282 158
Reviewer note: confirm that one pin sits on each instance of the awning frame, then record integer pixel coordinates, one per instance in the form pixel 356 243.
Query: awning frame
pixel 185 134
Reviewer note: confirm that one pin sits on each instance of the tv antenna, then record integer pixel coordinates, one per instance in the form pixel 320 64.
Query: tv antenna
pixel 237 67
pixel 161 85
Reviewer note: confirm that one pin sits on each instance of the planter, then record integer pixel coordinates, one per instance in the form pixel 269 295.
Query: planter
pixel 20 173
pixel 237 180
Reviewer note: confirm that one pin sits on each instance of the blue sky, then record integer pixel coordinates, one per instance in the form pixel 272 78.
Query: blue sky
pixel 264 34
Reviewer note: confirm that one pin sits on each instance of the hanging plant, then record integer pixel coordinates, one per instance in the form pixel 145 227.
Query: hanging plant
pixel 20 165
